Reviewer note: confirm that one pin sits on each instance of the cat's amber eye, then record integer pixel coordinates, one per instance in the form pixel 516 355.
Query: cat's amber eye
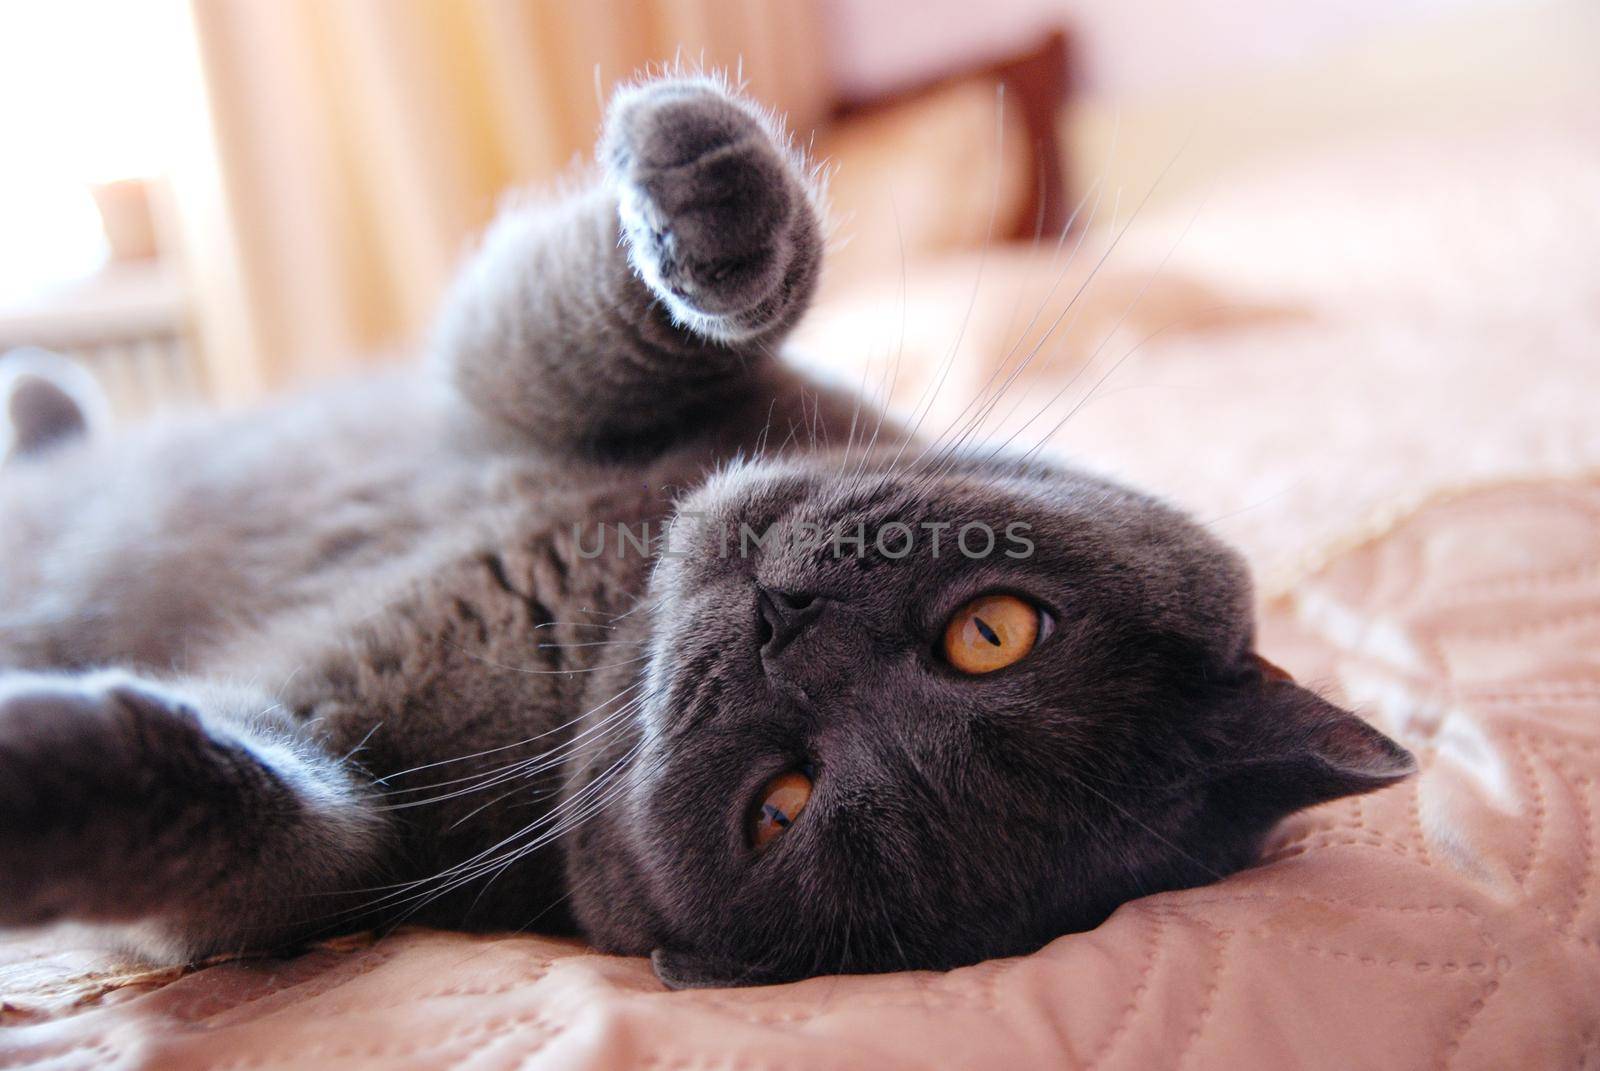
pixel 778 806
pixel 991 632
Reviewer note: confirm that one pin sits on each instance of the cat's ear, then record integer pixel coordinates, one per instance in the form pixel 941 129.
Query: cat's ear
pixel 1291 748
pixel 689 970
pixel 45 401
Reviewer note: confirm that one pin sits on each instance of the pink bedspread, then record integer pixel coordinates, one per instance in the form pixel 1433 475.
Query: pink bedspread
pixel 1404 434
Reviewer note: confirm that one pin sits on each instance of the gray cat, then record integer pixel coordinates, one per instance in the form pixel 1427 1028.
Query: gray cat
pixel 606 640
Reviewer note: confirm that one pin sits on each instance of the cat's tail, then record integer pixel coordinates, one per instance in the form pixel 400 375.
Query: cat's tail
pixel 46 401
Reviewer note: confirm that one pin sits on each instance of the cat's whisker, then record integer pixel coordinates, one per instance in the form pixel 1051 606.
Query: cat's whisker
pixel 515 772
pixel 889 380
pixel 846 922
pixel 548 672
pixel 1111 333
pixel 613 787
pixel 999 448
pixel 886 925
pixel 590 643
pixel 521 768
pixel 948 364
pixel 1257 504
pixel 1096 190
pixel 1094 394
pixel 453 876
pixel 490 860
pixel 793 436
pixel 480 808
pixel 891 375
pixel 360 744
pixel 1120 233
pixel 617 788
pixel 855 415
pixel 819 429
pixel 1142 824
pixel 766 429
pixel 644 602
pixel 1068 316
pixel 949 442
pixel 1072 308
pixel 487 751
pixel 519 743
pixel 473 866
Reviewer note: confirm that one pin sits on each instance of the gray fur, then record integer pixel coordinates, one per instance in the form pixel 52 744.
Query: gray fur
pixel 342 661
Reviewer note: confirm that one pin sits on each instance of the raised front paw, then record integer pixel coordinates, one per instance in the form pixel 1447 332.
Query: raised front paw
pixel 93 804
pixel 716 210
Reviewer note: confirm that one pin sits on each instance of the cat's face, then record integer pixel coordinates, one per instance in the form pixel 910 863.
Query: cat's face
pixel 862 755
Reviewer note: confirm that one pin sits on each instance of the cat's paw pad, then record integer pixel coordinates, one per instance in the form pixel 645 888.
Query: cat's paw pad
pixel 82 766
pixel 714 208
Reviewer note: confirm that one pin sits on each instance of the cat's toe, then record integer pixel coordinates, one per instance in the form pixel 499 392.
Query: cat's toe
pixel 714 206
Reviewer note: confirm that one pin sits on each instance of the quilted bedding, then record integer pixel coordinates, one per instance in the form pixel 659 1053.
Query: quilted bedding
pixel 1408 450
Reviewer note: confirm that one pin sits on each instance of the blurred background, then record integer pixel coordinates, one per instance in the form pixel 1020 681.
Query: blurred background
pixel 1158 207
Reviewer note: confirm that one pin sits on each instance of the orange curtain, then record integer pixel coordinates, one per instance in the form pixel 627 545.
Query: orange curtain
pixel 360 143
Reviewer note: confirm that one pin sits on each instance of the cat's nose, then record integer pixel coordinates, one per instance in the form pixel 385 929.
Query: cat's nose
pixel 783 616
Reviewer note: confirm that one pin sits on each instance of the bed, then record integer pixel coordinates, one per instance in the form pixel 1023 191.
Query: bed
pixel 1377 370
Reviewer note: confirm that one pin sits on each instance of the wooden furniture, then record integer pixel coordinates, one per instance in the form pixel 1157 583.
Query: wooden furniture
pixel 128 325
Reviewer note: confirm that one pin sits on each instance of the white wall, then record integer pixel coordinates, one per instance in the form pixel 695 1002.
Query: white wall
pixel 1127 47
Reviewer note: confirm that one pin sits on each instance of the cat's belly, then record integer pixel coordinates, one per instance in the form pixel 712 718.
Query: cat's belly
pixel 153 552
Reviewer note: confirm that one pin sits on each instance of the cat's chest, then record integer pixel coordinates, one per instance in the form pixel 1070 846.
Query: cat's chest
pixel 544 583
pixel 496 647
pixel 582 533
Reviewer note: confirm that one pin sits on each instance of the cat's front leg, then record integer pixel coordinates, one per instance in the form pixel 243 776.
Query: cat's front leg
pixel 715 209
pixel 644 307
pixel 180 810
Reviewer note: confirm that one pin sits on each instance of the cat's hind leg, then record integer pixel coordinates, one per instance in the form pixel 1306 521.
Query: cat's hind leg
pixel 179 814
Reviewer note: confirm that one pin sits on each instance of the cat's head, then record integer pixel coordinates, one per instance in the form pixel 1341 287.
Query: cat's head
pixel 939 716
